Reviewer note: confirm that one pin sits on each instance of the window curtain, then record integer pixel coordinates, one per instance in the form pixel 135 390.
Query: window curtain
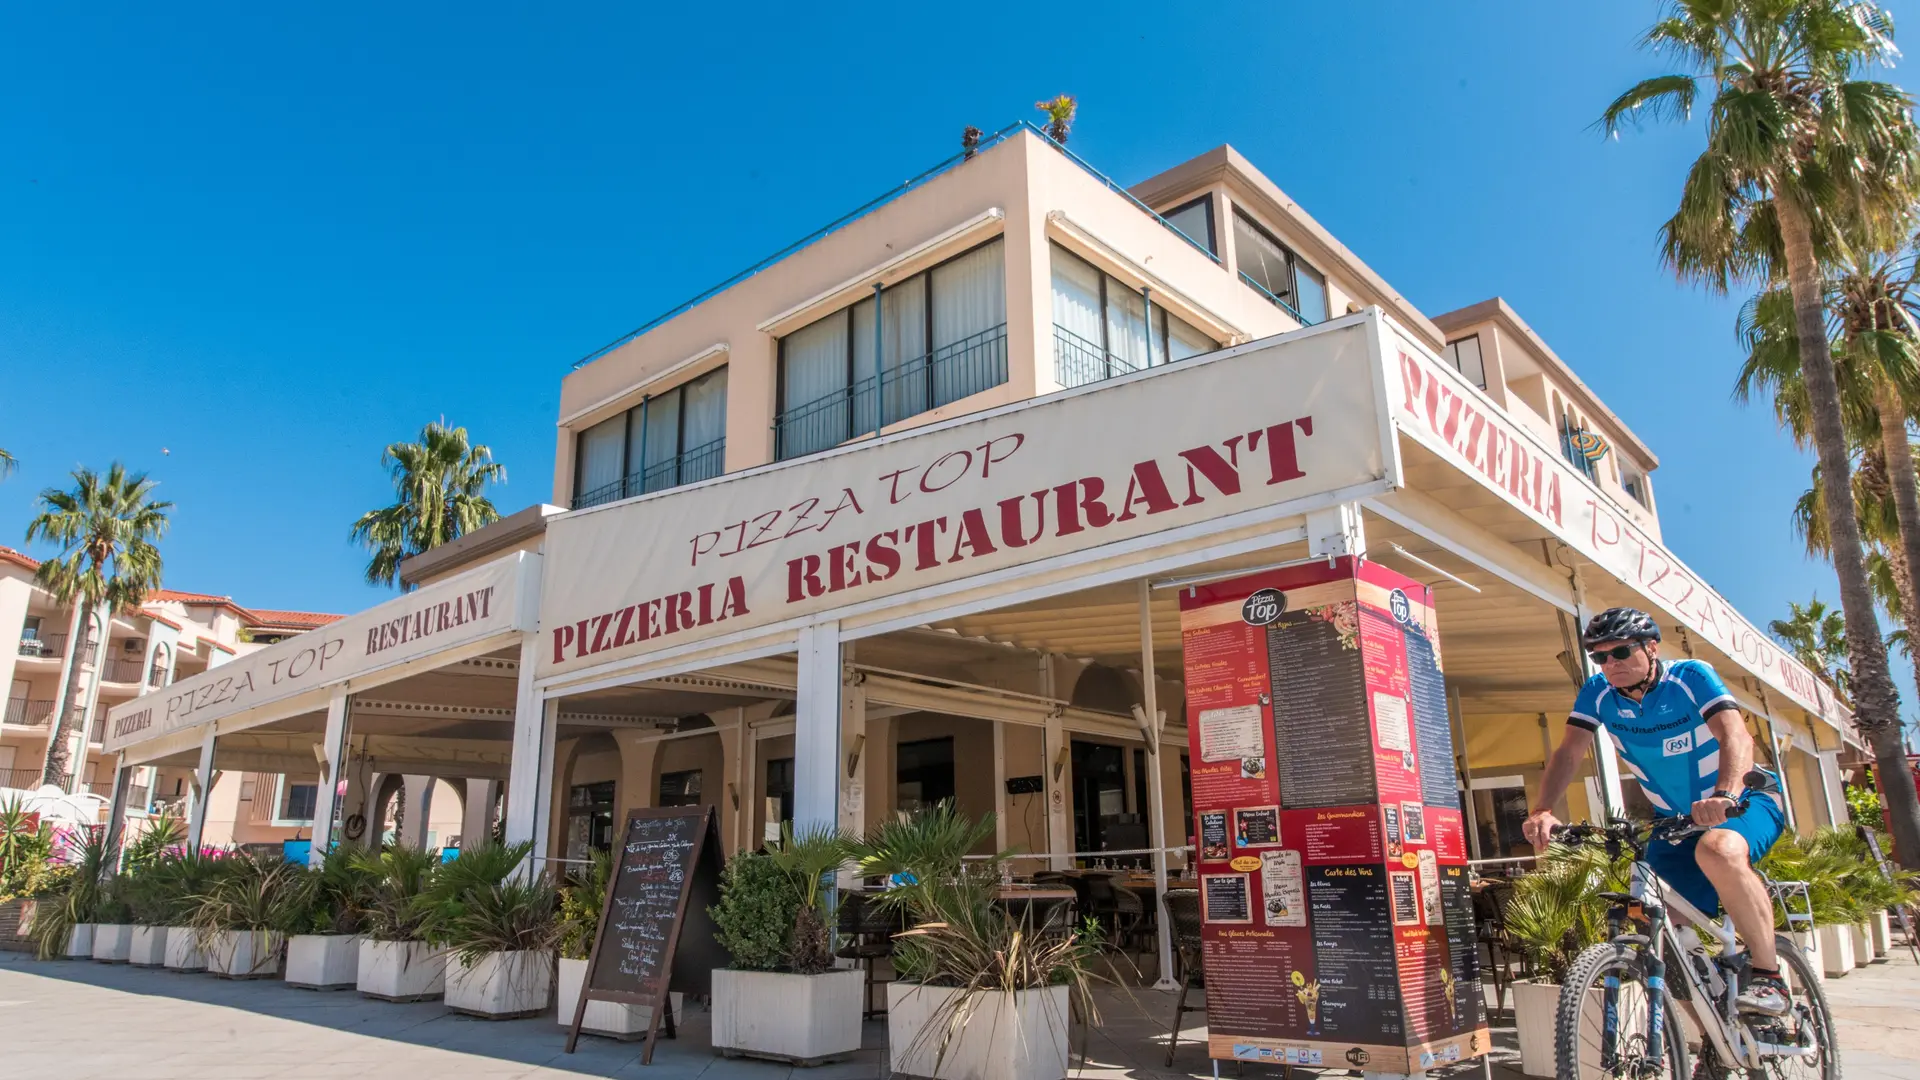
pixel 1076 300
pixel 1183 340
pixel 704 427
pixel 969 300
pixel 597 473
pixel 1126 328
pixel 662 463
pixel 813 378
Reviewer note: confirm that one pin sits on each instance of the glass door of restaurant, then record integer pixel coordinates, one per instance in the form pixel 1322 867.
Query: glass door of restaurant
pixel 1101 818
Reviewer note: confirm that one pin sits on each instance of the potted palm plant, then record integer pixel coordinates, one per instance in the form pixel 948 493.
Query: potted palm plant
pixel 979 992
pixel 113 921
pixel 27 869
pixel 500 930
pixel 185 877
pixel 782 998
pixel 582 895
pixel 241 921
pixel 1555 913
pixel 324 951
pixel 398 961
pixel 148 892
pixel 65 913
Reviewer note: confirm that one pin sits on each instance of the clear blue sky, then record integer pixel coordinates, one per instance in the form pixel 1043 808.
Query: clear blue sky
pixel 271 240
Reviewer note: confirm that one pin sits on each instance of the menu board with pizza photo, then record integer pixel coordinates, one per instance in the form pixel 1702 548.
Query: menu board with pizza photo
pixel 1335 921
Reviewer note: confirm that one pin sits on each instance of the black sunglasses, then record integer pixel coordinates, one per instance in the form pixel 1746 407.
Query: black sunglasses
pixel 1618 652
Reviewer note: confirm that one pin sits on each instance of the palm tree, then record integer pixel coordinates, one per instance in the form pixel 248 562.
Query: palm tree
pixel 8 463
pixel 437 484
pixel 1817 635
pixel 1796 144
pixel 106 527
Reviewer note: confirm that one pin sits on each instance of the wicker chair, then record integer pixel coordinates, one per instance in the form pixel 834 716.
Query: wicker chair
pixel 1183 909
pixel 869 930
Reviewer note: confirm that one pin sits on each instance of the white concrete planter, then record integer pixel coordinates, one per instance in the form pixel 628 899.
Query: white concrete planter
pixel 401 971
pixel 1836 949
pixel 244 954
pixel 80 941
pixel 147 946
pixel 501 985
pixel 999 1036
pixel 608 1018
pixel 1862 945
pixel 183 950
pixel 1535 1006
pixel 112 942
pixel 1880 928
pixel 804 1019
pixel 323 961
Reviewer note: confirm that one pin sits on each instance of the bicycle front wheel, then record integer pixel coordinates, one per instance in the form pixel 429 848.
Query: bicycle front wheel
pixel 1608 980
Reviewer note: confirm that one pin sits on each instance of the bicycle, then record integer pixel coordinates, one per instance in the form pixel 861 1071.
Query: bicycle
pixel 1628 978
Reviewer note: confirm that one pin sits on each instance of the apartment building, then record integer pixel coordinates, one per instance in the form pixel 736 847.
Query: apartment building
pixel 174 635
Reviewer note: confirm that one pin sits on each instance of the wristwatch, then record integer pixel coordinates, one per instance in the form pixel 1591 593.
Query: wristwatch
pixel 1723 793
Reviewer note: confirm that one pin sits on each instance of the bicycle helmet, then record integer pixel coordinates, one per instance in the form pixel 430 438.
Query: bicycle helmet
pixel 1620 624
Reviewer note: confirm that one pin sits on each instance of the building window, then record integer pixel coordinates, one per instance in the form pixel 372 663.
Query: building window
pixel 942 336
pixel 1195 219
pixel 30 630
pixel 922 774
pixel 292 803
pixel 1100 326
pixel 1634 482
pixel 669 439
pixel 680 788
pixel 1573 432
pixel 1465 357
pixel 1279 274
pixel 779 796
pixel 589 820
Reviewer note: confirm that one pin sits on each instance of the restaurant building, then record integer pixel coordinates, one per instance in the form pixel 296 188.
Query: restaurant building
pixel 905 513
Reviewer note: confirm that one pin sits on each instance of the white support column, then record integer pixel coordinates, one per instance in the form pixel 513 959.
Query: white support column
pixel 1833 788
pixel 999 786
pixel 1605 757
pixel 530 769
pixel 853 748
pixel 202 792
pixel 418 796
pixel 476 823
pixel 1056 766
pixel 1336 531
pixel 333 781
pixel 1156 722
pixel 816 729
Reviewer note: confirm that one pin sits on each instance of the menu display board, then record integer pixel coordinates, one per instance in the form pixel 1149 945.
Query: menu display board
pixel 1345 938
pixel 655 934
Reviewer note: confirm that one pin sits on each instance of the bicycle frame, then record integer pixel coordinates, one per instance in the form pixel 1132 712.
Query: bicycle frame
pixel 1712 987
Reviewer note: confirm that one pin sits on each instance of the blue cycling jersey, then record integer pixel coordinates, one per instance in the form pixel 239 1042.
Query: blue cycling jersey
pixel 1663 738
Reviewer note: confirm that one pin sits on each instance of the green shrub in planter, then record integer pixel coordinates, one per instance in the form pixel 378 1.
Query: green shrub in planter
pixel 401 904
pixel 582 895
pixel 26 852
pixel 1556 911
pixel 76 896
pixel 1844 883
pixel 754 918
pixel 332 898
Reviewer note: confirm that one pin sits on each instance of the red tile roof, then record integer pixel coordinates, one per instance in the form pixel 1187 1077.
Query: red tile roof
pixel 7 554
pixel 159 618
pixel 304 619
pixel 228 649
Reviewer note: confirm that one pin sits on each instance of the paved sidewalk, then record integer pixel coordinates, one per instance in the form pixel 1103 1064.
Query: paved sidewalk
pixel 81 1020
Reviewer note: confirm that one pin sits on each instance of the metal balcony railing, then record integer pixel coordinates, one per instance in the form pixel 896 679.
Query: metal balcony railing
pixel 51 646
pixel 158 675
pixel 1077 361
pixel 27 712
pixel 947 374
pixel 1281 304
pixel 24 779
pixel 122 671
pixel 703 462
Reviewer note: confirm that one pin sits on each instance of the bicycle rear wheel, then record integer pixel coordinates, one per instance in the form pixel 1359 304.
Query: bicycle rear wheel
pixel 1582 1050
pixel 1808 1027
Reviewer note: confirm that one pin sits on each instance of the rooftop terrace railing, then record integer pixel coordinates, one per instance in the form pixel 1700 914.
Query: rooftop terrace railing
pixel 961 369
pixel 1277 302
pixel 876 203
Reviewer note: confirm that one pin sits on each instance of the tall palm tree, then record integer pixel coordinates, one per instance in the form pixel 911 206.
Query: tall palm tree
pixel 1817 635
pixel 106 527
pixel 437 485
pixel 8 463
pixel 1796 143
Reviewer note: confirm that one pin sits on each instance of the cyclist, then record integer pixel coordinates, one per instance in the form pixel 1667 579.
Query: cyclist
pixel 1682 737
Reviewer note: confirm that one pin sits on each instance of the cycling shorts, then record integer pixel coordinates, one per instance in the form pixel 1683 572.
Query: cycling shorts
pixel 1762 824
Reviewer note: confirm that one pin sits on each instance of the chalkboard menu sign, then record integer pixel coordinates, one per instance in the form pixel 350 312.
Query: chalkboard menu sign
pixel 655 934
pixel 1319 715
